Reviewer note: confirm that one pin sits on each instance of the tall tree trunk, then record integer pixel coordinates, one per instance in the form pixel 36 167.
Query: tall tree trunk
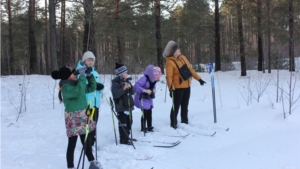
pixel 269 38
pixel 158 37
pixel 241 38
pixel 52 29
pixel 89 32
pixel 291 36
pixel 47 47
pixel 260 66
pixel 42 60
pixel 217 37
pixel 33 62
pixel 11 64
pixel 62 33
pixel 119 46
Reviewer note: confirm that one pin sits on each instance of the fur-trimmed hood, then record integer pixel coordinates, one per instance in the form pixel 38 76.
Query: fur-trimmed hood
pixel 170 49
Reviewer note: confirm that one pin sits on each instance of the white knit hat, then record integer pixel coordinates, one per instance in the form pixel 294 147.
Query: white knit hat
pixel 88 55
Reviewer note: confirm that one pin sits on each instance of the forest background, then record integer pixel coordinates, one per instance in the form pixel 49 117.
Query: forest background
pixel 39 36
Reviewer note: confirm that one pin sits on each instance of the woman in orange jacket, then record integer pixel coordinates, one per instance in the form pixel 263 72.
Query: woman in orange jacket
pixel 179 73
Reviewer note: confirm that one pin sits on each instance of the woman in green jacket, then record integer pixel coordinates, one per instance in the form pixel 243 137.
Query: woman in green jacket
pixel 73 94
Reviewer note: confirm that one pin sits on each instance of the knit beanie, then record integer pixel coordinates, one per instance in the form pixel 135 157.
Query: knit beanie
pixel 170 49
pixel 63 73
pixel 120 69
pixel 156 72
pixel 88 55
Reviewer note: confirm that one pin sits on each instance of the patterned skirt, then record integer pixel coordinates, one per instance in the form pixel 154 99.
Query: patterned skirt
pixel 76 123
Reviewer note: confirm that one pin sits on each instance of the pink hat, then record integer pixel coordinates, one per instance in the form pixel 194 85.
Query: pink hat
pixel 156 72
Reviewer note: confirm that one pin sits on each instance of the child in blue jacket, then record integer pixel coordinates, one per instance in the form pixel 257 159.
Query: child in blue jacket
pixel 88 59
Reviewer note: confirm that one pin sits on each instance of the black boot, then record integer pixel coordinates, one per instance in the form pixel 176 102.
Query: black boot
pixel 150 129
pixel 174 126
pixel 125 141
pixel 143 130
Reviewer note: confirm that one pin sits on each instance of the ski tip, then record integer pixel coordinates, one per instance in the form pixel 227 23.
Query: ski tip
pixel 213 134
pixel 147 158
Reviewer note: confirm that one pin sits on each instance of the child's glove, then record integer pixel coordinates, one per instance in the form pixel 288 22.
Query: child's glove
pixel 80 71
pixel 99 86
pixel 171 93
pixel 202 82
pixel 88 71
pixel 126 112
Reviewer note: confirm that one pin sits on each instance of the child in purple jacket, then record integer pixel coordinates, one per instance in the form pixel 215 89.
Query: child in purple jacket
pixel 145 93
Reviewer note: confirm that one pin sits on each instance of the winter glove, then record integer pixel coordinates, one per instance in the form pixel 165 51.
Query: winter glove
pixel 152 95
pixel 88 71
pixel 147 91
pixel 80 71
pixel 126 86
pixel 99 86
pixel 202 82
pixel 126 112
pixel 171 93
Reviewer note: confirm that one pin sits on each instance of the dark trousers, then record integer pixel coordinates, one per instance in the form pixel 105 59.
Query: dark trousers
pixel 125 122
pixel 147 118
pixel 181 99
pixel 71 148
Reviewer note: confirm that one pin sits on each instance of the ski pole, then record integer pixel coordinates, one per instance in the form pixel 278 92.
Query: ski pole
pixel 96 142
pixel 96 121
pixel 86 134
pixel 113 119
pixel 87 130
pixel 174 117
pixel 130 116
pixel 119 121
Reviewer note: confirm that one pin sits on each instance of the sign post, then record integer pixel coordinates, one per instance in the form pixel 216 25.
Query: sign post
pixel 211 71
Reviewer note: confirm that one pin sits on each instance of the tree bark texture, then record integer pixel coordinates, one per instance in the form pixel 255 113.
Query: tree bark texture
pixel 63 58
pixel 260 66
pixel 241 38
pixel 118 34
pixel 217 37
pixel 89 31
pixel 33 62
pixel 269 38
pixel 291 37
pixel 158 37
pixel 52 29
pixel 47 47
pixel 11 64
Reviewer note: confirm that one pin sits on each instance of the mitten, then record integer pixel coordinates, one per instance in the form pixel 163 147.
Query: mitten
pixel 99 86
pixel 171 93
pixel 126 112
pixel 202 82
pixel 88 71
pixel 152 95
pixel 80 71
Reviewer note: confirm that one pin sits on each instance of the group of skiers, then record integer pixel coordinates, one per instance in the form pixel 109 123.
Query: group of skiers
pixel 80 90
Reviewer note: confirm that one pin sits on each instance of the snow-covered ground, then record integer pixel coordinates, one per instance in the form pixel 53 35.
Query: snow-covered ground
pixel 259 137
